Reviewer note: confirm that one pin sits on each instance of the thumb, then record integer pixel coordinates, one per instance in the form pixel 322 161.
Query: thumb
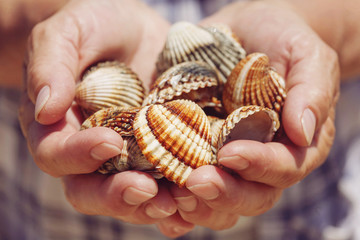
pixel 313 87
pixel 51 68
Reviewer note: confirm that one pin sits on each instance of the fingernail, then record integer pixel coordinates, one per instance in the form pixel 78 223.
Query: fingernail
pixel 308 122
pixel 41 99
pixel 104 151
pixel 207 191
pixel 187 204
pixel 179 230
pixel 133 196
pixel 234 162
pixel 155 212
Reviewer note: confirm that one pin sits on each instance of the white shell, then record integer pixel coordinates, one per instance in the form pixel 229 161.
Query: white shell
pixel 109 84
pixel 189 42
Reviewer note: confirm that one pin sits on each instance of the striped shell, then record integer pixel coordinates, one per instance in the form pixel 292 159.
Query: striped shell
pixel 130 158
pixel 196 81
pixel 119 119
pixel 254 82
pixel 188 42
pixel 174 137
pixel 109 84
pixel 250 123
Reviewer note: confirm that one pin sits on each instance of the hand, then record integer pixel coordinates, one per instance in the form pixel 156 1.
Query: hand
pixel 60 48
pixel 214 197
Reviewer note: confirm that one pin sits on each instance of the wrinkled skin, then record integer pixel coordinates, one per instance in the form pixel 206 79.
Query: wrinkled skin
pixel 62 47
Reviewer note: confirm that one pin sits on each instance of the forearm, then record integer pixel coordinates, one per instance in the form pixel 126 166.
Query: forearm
pixel 338 23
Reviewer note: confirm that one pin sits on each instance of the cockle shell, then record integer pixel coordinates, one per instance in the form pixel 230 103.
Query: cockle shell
pixel 196 81
pixel 249 123
pixel 174 137
pixel 254 82
pixel 130 158
pixel 188 42
pixel 119 119
pixel 109 84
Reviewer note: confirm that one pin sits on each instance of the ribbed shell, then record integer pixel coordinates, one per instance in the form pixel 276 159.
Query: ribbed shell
pixel 175 137
pixel 250 123
pixel 109 84
pixel 196 81
pixel 119 119
pixel 254 82
pixel 130 158
pixel 216 125
pixel 188 42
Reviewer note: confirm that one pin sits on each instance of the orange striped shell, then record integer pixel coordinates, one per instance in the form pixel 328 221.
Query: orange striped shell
pixel 174 137
pixel 254 82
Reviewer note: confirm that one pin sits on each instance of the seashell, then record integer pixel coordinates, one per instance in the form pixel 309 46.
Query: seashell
pixel 119 119
pixel 254 82
pixel 174 137
pixel 216 125
pixel 130 158
pixel 188 42
pixel 250 123
pixel 109 84
pixel 196 81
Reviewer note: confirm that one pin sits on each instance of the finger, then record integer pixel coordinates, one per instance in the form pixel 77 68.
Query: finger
pixel 228 194
pixel 196 211
pixel 119 195
pixel 174 226
pixel 59 149
pixel 277 164
pixel 313 86
pixel 52 68
pixel 162 205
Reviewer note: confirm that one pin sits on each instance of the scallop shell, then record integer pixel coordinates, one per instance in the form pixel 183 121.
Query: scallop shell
pixel 119 119
pixel 174 137
pixel 250 123
pixel 196 81
pixel 254 82
pixel 109 84
pixel 188 42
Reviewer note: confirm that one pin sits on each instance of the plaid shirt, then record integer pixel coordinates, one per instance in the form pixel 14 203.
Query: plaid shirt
pixel 33 206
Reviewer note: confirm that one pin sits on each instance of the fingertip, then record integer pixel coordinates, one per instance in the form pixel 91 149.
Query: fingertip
pixel 174 226
pixel 206 182
pixel 308 122
pixel 51 105
pixel 299 123
pixel 100 143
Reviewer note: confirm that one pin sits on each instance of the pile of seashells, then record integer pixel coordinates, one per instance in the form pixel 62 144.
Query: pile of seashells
pixel 208 92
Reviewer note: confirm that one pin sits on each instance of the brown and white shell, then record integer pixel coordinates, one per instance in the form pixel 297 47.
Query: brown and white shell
pixel 196 81
pixel 130 158
pixel 174 137
pixel 119 119
pixel 254 82
pixel 188 42
pixel 109 84
pixel 249 123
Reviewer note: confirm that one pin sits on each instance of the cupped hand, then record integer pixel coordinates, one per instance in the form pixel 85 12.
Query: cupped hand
pixel 215 198
pixel 60 49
